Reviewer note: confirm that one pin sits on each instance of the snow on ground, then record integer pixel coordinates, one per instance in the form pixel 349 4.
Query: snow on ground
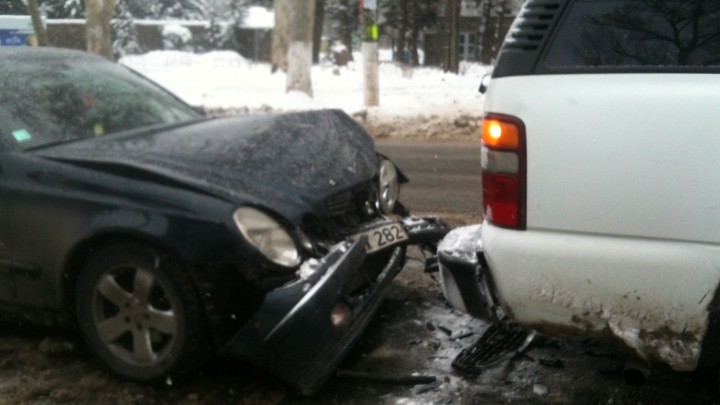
pixel 225 80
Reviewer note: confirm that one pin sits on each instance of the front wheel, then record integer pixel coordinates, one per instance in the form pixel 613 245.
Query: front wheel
pixel 139 313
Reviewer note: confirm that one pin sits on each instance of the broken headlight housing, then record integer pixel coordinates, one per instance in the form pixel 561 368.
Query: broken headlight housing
pixel 268 236
pixel 389 187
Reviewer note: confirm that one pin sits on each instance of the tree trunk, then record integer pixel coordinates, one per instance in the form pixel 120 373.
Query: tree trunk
pixel 280 34
pixel 499 26
pixel 40 33
pixel 317 35
pixel 346 25
pixel 402 31
pixel 452 17
pixel 487 33
pixel 300 39
pixel 416 22
pixel 370 73
pixel 98 32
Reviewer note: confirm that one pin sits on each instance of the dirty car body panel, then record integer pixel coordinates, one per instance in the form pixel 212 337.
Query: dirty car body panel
pixel 620 239
pixel 176 186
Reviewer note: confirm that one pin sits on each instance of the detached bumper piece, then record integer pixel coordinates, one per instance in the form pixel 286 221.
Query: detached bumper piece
pixel 501 341
pixel 466 281
pixel 425 231
pixel 303 330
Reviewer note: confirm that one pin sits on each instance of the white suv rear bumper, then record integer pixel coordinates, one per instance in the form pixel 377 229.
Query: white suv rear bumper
pixel 649 296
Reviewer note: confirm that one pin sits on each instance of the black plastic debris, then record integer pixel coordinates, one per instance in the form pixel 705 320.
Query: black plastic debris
pixel 500 341
pixel 462 336
pixel 432 265
pixel 445 330
pixel 554 363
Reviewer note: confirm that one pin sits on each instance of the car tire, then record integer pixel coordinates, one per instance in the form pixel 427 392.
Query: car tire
pixel 139 313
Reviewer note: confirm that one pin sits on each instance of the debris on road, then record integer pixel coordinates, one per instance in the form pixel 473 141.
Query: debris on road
pixel 554 363
pixel 427 387
pixel 447 331
pixel 540 390
pixel 384 379
pixel 51 345
pixel 462 336
pixel 444 400
pixel 499 342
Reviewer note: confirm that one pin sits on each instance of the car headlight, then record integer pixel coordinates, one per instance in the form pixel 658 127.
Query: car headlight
pixel 389 187
pixel 268 236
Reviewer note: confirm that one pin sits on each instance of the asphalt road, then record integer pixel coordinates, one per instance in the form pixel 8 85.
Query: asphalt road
pixel 444 178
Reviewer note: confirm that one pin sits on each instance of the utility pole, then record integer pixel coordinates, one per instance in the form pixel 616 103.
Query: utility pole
pixel 369 16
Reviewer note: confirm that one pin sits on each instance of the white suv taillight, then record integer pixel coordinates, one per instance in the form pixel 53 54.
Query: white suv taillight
pixel 504 171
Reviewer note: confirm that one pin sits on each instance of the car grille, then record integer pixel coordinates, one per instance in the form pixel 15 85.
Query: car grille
pixel 344 212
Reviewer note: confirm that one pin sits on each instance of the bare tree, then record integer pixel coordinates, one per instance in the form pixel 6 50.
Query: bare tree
pixel 40 32
pixel 501 9
pixel 301 19
pixel 98 32
pixel 280 34
pixel 346 15
pixel 401 31
pixel 415 27
pixel 318 29
pixel 452 32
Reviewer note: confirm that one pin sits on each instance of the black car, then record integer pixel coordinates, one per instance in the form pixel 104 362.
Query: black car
pixel 165 236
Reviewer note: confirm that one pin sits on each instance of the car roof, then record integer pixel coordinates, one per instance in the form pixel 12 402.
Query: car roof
pixel 40 54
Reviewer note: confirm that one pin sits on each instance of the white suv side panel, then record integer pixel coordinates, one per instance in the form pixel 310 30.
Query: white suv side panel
pixel 643 238
pixel 650 295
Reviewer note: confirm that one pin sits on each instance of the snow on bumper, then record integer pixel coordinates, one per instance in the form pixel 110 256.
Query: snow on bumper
pixel 650 298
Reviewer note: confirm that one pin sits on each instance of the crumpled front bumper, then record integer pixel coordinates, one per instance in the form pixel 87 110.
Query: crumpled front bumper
pixel 292 335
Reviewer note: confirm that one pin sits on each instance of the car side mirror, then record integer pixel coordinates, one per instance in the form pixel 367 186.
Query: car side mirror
pixel 485 82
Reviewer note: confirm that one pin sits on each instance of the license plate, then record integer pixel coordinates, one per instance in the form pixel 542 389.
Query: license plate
pixel 383 236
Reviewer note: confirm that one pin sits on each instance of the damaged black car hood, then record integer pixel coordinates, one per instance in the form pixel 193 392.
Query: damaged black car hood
pixel 289 163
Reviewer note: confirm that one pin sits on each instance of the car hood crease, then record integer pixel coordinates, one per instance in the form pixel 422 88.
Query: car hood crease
pixel 289 163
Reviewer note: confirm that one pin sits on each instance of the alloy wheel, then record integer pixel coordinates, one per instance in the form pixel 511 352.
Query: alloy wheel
pixel 134 315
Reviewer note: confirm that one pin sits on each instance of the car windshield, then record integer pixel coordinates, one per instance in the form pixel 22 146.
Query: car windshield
pixel 63 99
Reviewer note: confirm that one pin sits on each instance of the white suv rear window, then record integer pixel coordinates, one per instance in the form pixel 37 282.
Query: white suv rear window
pixel 612 33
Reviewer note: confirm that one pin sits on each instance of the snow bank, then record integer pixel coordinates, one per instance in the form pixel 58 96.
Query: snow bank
pixel 225 80
pixel 177 63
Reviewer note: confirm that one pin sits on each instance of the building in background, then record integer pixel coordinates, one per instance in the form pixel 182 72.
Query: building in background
pixel 482 27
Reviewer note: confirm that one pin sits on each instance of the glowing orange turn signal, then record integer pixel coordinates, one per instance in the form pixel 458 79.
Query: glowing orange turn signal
pixel 500 134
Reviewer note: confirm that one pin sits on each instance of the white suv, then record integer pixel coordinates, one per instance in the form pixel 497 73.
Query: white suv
pixel 601 177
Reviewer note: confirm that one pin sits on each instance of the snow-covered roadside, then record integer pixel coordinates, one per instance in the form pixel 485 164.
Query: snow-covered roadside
pixel 224 81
